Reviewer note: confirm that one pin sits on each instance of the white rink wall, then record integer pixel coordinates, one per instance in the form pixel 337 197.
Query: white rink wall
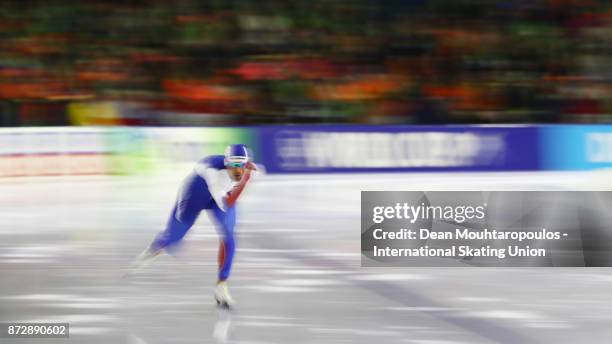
pixel 57 151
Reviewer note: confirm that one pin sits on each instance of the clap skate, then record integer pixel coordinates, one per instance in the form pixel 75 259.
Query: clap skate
pixel 222 296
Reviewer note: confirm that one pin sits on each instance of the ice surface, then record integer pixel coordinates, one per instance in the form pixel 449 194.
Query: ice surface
pixel 64 243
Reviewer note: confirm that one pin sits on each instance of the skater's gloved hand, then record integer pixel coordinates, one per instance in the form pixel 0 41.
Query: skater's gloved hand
pixel 250 166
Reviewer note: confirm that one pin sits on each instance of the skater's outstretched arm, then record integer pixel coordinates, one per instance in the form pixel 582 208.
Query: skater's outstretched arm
pixel 232 196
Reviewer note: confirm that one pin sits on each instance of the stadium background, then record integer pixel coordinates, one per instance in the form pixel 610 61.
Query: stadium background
pixel 106 105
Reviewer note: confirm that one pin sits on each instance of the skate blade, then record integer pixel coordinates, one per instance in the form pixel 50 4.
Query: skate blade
pixel 134 269
pixel 223 305
pixel 139 264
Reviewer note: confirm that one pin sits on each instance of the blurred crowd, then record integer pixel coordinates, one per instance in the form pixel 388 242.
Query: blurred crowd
pixel 219 62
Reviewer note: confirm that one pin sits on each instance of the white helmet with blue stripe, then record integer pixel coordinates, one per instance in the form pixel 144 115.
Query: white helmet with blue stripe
pixel 237 155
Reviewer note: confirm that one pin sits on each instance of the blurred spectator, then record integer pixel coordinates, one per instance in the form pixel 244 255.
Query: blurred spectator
pixel 188 62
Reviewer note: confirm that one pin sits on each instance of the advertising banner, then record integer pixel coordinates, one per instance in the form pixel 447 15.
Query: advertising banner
pixel 113 150
pixel 165 150
pixel 53 151
pixel 576 147
pixel 307 149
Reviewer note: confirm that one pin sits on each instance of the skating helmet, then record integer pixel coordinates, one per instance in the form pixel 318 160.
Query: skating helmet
pixel 237 155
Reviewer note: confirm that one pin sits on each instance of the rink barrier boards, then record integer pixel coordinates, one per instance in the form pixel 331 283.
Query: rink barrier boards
pixel 307 149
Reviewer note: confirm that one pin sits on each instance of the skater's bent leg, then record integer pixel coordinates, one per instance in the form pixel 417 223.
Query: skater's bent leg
pixel 221 255
pixel 228 247
pixel 182 218
pixel 192 197
pixel 226 221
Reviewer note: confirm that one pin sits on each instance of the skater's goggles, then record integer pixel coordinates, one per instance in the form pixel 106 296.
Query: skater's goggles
pixel 236 164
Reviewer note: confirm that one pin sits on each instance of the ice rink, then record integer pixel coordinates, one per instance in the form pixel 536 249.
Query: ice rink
pixel 64 243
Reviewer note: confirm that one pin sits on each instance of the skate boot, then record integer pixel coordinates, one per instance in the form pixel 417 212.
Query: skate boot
pixel 222 295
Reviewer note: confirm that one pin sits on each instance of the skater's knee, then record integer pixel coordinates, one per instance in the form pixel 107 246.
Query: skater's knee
pixel 229 242
pixel 187 218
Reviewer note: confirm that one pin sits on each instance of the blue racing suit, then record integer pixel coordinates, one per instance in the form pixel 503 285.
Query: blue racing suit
pixel 200 191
